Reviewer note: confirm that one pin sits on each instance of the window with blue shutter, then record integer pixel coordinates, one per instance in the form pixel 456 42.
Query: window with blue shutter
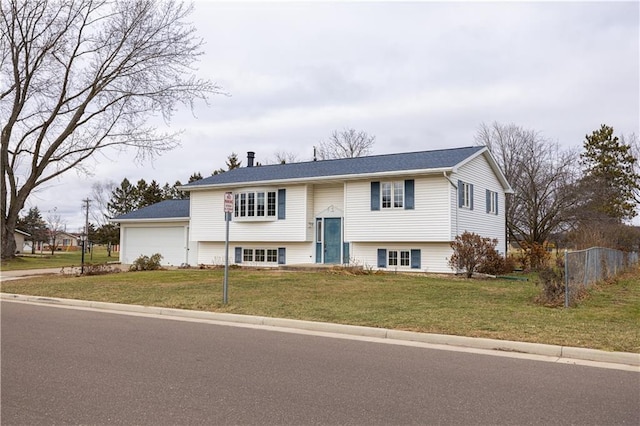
pixel 409 197
pixel 282 259
pixel 282 202
pixel 415 259
pixel 238 254
pixel 382 258
pixel 375 195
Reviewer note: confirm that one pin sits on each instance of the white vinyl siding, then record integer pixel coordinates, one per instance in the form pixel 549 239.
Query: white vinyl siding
pixel 328 196
pixel 479 173
pixel 208 224
pixel 434 257
pixel 212 253
pixel 427 221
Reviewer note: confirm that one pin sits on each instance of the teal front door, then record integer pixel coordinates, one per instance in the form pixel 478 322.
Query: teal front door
pixel 332 239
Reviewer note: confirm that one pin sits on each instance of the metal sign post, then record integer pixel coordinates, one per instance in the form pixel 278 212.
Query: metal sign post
pixel 228 209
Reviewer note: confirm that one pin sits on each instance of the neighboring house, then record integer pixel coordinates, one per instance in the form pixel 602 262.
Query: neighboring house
pixel 389 212
pixel 66 241
pixel 160 228
pixel 19 237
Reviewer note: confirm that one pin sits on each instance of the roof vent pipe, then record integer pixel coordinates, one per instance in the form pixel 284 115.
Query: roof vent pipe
pixel 250 156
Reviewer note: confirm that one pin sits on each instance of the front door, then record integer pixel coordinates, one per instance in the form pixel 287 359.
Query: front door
pixel 332 239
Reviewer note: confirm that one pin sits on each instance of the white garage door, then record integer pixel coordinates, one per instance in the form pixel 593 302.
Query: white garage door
pixel 168 241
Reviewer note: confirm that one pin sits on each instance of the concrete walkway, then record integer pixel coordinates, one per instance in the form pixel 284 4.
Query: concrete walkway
pixel 14 275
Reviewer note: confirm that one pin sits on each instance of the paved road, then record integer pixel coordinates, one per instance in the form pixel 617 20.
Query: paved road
pixel 64 366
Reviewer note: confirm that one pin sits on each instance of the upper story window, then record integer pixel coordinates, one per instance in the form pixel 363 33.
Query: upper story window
pixel 392 195
pixel 492 202
pixel 465 195
pixel 255 204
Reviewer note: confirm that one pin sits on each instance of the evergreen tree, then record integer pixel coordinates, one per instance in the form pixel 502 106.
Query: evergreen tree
pixel 233 162
pixel 123 199
pixel 194 177
pixel 33 224
pixel 108 234
pixel 172 192
pixel 152 194
pixel 610 180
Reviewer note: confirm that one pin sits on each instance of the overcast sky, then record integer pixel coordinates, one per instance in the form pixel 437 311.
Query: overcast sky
pixel 418 76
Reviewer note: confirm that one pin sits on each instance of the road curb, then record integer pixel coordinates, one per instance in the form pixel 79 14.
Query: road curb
pixel 584 354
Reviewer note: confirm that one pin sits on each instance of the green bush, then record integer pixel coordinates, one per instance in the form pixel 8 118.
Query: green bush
pixel 146 263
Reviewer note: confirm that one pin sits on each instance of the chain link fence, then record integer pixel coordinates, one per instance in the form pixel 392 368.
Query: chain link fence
pixel 586 267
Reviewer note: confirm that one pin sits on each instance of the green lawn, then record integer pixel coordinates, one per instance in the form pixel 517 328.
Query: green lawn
pixel 608 319
pixel 58 260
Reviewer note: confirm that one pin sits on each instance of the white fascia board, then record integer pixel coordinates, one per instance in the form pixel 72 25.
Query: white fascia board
pixel 493 164
pixel 321 179
pixel 151 220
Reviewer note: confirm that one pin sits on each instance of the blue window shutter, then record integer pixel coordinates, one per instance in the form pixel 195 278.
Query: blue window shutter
pixel 409 197
pixel 375 195
pixel 415 259
pixel 382 258
pixel 496 195
pixel 488 201
pixel 282 256
pixel 471 196
pixel 460 194
pixel 345 253
pixel 238 254
pixel 282 202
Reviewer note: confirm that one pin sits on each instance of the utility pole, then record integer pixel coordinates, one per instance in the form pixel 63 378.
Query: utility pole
pixel 85 234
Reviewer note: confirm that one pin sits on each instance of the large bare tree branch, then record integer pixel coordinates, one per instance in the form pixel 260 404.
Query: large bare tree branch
pixel 81 76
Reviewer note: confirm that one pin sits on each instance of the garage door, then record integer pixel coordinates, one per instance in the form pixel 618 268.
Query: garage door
pixel 168 241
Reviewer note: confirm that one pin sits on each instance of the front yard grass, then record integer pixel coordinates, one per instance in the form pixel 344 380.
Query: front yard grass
pixel 607 319
pixel 59 259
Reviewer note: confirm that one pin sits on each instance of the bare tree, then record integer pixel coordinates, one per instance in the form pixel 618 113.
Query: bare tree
pixel 78 77
pixel 633 142
pixel 283 157
pixel 347 143
pixel 541 175
pixel 100 195
pixel 55 227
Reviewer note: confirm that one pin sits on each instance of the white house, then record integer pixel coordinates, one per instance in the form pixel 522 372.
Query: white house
pixel 390 212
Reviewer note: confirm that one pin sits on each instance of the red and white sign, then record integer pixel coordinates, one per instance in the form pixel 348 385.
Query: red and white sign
pixel 228 202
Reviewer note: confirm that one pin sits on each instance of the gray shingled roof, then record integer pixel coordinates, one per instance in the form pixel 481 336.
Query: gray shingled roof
pixel 168 209
pixel 423 160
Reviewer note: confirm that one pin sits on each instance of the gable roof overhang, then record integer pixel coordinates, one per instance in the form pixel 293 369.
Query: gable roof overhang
pixel 494 166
